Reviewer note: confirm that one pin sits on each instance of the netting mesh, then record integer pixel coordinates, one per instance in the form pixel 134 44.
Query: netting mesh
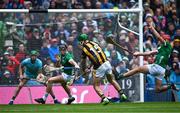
pixel 37 30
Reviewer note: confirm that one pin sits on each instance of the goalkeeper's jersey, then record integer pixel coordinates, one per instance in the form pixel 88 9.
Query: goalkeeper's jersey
pixel 164 52
pixel 31 70
pixel 65 62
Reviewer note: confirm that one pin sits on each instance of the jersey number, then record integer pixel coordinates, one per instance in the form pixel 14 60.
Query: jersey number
pixel 95 49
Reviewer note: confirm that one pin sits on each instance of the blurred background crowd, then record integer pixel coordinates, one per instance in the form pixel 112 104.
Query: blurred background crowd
pixel 67 4
pixel 22 32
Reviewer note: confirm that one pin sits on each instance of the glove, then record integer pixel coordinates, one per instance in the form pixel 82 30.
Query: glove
pixel 41 78
pixel 167 72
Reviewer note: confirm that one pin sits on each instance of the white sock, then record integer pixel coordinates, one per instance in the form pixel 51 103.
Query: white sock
pixel 45 96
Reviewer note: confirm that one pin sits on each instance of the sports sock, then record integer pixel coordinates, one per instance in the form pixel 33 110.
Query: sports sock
pixel 102 96
pixel 120 92
pixel 69 95
pixel 169 86
pixel 45 96
pixel 13 98
pixel 53 97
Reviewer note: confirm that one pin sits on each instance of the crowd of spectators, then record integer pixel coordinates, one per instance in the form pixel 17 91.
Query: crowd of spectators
pixel 23 32
pixel 67 4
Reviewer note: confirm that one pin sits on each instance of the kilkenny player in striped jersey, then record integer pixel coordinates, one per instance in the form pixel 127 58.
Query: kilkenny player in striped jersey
pixel 101 66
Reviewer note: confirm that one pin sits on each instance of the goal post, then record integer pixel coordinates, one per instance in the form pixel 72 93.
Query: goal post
pixel 141 49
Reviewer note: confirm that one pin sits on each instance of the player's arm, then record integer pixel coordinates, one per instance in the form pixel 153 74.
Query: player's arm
pixel 83 62
pixel 147 53
pixel 157 35
pixel 71 61
pixel 21 68
pixel 76 71
pixel 85 68
pixel 40 71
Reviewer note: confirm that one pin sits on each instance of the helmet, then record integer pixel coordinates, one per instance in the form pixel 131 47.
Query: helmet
pixel 34 52
pixel 63 47
pixel 82 37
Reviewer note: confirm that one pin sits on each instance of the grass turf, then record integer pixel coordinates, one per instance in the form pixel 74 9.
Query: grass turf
pixel 150 107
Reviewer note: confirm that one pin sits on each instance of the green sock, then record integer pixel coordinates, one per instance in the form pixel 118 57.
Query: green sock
pixel 169 86
pixel 121 76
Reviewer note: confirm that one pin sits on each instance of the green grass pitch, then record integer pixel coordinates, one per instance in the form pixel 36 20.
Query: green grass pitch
pixel 149 107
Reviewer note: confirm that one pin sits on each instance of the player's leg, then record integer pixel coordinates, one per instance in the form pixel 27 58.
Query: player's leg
pixel 142 69
pixel 56 79
pixel 96 85
pixel 65 79
pixel 158 72
pixel 68 91
pixel 161 88
pixel 52 95
pixel 156 69
pixel 16 92
pixel 112 80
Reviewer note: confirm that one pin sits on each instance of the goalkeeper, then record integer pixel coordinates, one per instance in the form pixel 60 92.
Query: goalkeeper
pixel 30 68
pixel 66 60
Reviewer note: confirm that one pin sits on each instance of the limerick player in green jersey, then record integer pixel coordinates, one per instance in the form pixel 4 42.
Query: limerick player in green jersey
pixel 159 67
pixel 66 60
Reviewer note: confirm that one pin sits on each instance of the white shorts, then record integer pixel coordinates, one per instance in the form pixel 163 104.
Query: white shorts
pixel 104 69
pixel 67 77
pixel 156 70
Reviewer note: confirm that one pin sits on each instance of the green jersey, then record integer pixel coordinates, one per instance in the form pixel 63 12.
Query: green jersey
pixel 164 52
pixel 65 62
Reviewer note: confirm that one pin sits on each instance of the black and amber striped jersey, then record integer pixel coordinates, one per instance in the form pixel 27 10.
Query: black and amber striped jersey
pixel 95 54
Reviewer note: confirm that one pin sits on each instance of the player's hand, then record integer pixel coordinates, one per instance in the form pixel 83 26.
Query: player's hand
pixel 136 54
pixel 150 26
pixel 40 75
pixel 21 77
pixel 87 70
pixel 41 78
pixel 57 57
pixel 77 67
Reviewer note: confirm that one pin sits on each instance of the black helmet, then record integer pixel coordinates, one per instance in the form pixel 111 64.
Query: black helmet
pixel 63 47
